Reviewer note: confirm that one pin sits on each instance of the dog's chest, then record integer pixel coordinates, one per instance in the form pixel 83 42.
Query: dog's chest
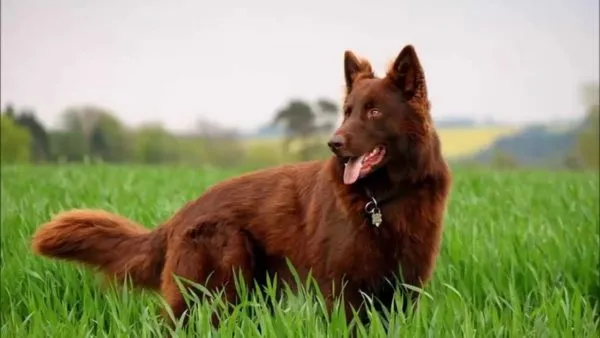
pixel 368 252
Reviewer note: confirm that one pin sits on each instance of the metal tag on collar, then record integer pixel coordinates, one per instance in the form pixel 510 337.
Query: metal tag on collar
pixel 373 209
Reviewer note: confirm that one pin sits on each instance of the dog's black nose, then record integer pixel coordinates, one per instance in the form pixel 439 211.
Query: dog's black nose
pixel 336 142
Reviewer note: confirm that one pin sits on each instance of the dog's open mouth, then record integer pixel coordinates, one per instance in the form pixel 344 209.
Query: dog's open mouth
pixel 357 167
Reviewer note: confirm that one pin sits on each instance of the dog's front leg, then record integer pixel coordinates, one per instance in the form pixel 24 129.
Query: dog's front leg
pixel 417 263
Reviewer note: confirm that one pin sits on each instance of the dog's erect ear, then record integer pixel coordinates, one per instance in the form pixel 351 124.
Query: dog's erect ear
pixel 407 74
pixel 353 67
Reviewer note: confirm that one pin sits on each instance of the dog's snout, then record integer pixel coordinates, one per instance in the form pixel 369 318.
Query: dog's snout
pixel 336 142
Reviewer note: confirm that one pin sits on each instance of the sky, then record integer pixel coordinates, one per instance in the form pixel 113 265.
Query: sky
pixel 237 62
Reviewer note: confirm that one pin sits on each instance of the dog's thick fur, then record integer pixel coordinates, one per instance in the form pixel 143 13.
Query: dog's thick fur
pixel 304 212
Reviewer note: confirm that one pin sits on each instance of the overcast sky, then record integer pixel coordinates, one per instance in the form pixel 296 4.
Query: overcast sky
pixel 236 62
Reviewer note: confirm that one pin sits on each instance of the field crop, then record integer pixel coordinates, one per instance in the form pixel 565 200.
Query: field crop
pixel 457 142
pixel 519 259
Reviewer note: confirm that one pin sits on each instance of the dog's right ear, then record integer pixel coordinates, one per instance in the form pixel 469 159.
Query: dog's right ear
pixel 353 67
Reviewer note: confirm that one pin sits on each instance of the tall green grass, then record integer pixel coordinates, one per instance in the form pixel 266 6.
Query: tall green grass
pixel 519 259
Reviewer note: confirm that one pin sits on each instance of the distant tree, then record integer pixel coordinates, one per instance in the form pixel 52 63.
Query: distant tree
pixel 68 146
pixel 328 113
pixel 9 111
pixel 590 94
pixel 99 144
pixel 298 119
pixel 587 143
pixel 221 146
pixel 154 145
pixel 305 124
pixel 105 137
pixel 15 141
pixel 81 119
pixel 40 143
pixel 110 140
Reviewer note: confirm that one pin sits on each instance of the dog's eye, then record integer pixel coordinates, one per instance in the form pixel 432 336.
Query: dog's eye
pixel 347 111
pixel 373 114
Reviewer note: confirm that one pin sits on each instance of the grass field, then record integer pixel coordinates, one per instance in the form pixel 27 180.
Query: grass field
pixel 519 259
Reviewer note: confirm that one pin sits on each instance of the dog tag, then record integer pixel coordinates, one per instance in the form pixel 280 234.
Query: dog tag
pixel 372 209
pixel 376 217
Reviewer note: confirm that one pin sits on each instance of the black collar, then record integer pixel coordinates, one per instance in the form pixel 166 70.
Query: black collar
pixel 382 200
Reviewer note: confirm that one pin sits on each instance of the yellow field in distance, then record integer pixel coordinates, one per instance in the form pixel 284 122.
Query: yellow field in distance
pixel 455 141
pixel 466 141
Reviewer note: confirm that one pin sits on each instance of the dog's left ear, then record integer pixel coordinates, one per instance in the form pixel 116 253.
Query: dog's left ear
pixel 407 74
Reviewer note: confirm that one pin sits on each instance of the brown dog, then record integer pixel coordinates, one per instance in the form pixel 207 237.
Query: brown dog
pixel 374 208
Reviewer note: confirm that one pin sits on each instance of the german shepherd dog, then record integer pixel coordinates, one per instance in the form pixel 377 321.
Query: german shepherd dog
pixel 374 208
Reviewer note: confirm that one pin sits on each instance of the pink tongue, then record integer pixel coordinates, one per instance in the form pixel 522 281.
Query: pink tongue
pixel 352 170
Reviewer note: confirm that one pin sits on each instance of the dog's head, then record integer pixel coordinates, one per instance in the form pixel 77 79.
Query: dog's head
pixel 384 118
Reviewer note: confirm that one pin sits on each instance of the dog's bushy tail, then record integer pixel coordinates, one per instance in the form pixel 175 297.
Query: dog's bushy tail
pixel 117 246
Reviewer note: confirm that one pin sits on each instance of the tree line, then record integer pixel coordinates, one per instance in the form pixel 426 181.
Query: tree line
pixel 95 134
pixel 91 133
